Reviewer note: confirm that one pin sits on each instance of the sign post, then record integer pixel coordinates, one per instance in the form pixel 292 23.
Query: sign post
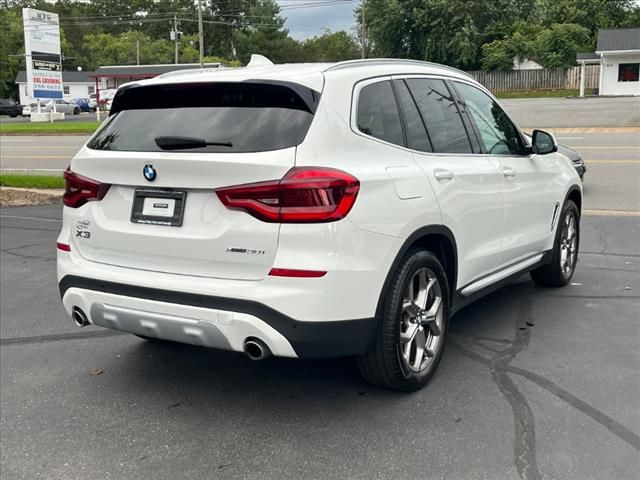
pixel 43 59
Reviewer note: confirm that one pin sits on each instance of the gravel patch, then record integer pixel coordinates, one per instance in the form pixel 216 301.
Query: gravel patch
pixel 13 197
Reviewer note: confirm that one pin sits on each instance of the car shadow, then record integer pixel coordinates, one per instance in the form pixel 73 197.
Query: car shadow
pixel 213 372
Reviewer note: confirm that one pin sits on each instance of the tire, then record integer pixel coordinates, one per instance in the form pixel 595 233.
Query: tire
pixel 389 363
pixel 14 115
pixel 76 111
pixel 557 273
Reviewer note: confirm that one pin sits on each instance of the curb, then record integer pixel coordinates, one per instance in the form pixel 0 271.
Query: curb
pixel 630 129
pixel 44 191
pixel 45 134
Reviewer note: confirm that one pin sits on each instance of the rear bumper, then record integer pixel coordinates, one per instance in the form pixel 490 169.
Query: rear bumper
pixel 211 321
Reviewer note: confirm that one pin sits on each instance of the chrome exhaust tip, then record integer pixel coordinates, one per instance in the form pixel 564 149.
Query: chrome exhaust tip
pixel 256 349
pixel 79 317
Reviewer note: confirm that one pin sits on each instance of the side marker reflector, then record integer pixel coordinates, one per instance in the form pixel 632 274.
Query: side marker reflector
pixel 63 246
pixel 288 272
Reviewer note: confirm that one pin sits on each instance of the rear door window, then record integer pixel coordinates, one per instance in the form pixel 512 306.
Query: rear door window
pixel 208 117
pixel 417 137
pixel 377 113
pixel 441 116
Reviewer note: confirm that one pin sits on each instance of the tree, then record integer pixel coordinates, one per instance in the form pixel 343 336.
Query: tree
pixel 330 47
pixel 500 54
pixel 590 14
pixel 558 45
pixel 443 31
pixel 107 49
pixel 11 43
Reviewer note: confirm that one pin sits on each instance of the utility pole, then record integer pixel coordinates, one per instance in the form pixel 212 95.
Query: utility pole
pixel 362 30
pixel 137 52
pixel 175 34
pixel 200 34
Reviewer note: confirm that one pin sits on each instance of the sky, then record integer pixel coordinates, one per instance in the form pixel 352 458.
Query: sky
pixel 303 23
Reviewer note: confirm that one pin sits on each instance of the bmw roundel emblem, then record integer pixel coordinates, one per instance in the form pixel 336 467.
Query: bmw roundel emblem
pixel 149 172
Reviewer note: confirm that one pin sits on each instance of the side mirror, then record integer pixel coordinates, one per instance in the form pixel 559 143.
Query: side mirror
pixel 543 142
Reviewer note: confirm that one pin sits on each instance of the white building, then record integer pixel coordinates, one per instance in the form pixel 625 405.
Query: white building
pixel 618 53
pixel 525 64
pixel 75 85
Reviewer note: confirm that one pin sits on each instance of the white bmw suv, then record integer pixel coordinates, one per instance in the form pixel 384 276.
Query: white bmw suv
pixel 311 210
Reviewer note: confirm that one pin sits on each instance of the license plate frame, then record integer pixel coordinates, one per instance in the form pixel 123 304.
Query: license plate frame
pixel 141 194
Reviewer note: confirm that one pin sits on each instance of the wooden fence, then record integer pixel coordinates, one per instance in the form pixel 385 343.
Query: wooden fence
pixel 540 79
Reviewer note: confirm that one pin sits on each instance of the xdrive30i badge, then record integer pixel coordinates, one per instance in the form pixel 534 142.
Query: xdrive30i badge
pixel 246 251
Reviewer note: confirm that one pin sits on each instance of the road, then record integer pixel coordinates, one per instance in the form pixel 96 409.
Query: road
pixel 576 112
pixel 535 383
pixel 612 157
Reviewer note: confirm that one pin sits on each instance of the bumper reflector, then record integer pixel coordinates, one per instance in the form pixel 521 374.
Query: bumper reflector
pixel 63 246
pixel 288 272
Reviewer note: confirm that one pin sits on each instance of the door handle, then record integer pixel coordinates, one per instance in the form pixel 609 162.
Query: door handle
pixel 441 174
pixel 508 172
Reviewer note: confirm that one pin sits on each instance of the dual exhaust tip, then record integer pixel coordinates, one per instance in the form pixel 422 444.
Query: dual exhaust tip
pixel 256 349
pixel 253 347
pixel 79 317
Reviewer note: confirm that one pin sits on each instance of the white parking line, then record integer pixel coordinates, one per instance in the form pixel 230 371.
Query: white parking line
pixel 39 219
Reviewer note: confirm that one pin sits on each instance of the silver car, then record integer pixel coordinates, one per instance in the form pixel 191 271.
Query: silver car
pixel 62 106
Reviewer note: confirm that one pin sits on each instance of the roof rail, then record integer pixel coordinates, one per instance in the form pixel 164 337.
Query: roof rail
pixel 391 61
pixel 186 71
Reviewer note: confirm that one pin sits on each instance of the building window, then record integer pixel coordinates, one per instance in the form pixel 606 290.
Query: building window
pixel 629 72
pixel 65 90
pixel 91 89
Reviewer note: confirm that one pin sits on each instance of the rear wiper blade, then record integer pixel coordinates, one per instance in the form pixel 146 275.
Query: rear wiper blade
pixel 181 143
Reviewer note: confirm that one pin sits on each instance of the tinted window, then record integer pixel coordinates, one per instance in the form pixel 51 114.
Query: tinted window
pixel 239 117
pixel 417 137
pixel 378 113
pixel 629 72
pixel 440 113
pixel 498 134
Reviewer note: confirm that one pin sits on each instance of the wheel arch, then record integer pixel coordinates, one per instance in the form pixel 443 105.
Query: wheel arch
pixel 440 241
pixel 575 195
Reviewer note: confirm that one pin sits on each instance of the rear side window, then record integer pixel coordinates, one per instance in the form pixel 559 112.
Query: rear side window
pixel 378 114
pixel 441 116
pixel 208 117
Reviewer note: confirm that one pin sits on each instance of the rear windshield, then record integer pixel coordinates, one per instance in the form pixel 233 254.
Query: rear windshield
pixel 227 117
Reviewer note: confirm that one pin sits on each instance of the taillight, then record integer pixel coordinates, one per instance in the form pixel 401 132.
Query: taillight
pixel 304 195
pixel 80 190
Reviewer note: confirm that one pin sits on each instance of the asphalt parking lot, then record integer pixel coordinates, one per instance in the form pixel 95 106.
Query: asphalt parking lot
pixel 534 384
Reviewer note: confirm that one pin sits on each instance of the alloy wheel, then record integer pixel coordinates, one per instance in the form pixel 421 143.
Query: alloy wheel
pixel 421 322
pixel 568 245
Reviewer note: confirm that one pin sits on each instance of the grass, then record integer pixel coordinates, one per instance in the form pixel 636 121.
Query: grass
pixel 29 128
pixel 538 94
pixel 31 181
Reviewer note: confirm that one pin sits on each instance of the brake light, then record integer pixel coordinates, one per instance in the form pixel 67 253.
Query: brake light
pixel 80 190
pixel 303 195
